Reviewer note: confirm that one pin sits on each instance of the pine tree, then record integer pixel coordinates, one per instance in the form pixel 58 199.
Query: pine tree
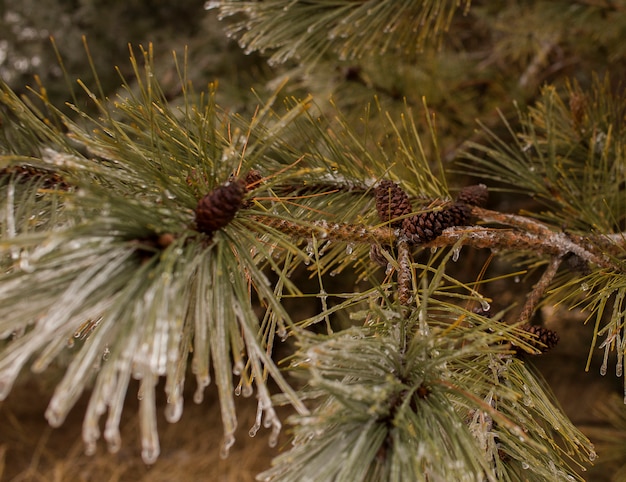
pixel 155 238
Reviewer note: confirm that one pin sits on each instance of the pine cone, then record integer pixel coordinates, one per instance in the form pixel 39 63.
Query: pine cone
pixel 252 179
pixel 391 202
pixel 456 214
pixel 476 195
pixel 425 227
pixel 218 208
pixel 545 339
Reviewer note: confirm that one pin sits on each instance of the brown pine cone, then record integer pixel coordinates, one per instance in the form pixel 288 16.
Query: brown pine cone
pixel 252 179
pixel 456 214
pixel 545 339
pixel 425 227
pixel 218 208
pixel 391 202
pixel 476 195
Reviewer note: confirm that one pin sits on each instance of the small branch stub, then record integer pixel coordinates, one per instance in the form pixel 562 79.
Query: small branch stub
pixel 219 207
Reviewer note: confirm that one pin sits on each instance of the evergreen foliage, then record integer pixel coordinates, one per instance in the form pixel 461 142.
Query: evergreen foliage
pixel 145 238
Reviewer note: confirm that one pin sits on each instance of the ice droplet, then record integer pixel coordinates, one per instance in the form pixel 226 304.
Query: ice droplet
pixel 605 361
pixel 273 441
pixel 349 248
pixel 113 438
pixel 254 429
pixel 90 448
pixel 25 263
pixel 203 381
pixel 229 441
pixel 592 455
pixel 456 253
pixel 282 332
pixel 150 454
pixel 484 304
pixel 238 367
pixel 584 286
pixel 389 268
pixel 174 410
pixel 247 390
pixel 169 194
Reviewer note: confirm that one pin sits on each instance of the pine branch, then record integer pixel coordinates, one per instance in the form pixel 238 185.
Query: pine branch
pixel 375 397
pixel 306 30
pixel 161 226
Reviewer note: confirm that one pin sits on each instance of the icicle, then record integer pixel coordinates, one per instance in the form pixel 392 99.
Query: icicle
pixel 238 367
pixel 620 355
pixel 349 248
pixel 605 360
pixel 281 331
pixel 607 344
pixel 174 408
pixel 10 217
pixel 455 254
pixel 247 390
pixel 147 420
pixel 310 250
pixel 169 194
pixel 203 381
pixel 389 269
pixel 25 262
pixel 227 443
pixel 257 421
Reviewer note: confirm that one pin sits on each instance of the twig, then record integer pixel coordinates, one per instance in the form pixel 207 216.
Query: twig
pixel 527 224
pixel 350 233
pixel 539 289
pixel 529 235
pixel 553 244
pixel 404 272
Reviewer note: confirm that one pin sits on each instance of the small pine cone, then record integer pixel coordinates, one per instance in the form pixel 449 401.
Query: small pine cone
pixel 476 195
pixel 425 227
pixel 252 179
pixel 456 214
pixel 376 254
pixel 218 208
pixel 545 339
pixel 391 202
